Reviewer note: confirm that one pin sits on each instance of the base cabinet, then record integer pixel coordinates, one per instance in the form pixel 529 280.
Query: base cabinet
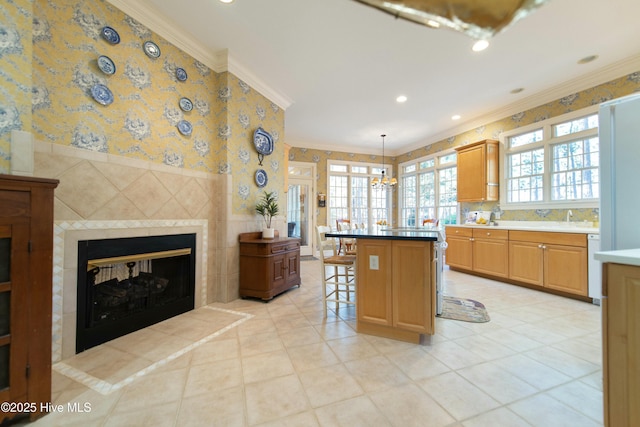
pixel 557 261
pixel 268 267
pixel 395 288
pixel 621 344
pixel 480 250
pixel 459 251
pixel 26 245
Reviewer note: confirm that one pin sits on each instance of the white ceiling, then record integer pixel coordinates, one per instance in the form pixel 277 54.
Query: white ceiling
pixel 340 64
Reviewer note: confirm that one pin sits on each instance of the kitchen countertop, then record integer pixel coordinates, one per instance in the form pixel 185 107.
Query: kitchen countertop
pixel 626 256
pixel 551 226
pixel 423 234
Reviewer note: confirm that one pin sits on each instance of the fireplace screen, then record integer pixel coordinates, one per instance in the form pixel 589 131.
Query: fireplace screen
pixel 128 284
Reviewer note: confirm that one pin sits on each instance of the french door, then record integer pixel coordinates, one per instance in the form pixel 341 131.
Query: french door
pixel 300 205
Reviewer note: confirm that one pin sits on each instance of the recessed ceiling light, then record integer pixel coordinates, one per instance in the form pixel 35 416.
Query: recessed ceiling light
pixel 455 117
pixel 517 90
pixel 401 99
pixel 226 1
pixel 480 45
pixel 588 59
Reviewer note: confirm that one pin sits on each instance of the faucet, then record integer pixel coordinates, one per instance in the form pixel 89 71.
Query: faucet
pixel 569 215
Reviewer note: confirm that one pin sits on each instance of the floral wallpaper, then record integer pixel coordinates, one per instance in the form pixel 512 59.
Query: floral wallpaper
pixel 610 90
pixel 247 110
pixel 142 120
pixel 15 73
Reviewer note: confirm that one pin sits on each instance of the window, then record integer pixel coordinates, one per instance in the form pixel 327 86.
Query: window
pixel 351 196
pixel 553 163
pixel 429 190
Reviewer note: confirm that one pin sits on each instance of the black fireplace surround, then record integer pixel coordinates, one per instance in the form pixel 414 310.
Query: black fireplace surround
pixel 127 284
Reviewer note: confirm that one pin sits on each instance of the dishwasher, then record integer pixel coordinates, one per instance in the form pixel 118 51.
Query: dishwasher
pixel 595 268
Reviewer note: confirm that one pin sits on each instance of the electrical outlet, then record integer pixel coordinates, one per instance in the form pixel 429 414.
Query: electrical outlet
pixel 373 262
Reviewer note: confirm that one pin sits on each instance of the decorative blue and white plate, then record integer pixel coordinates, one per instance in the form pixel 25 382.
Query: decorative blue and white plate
pixel 110 35
pixel 102 94
pixel 263 141
pixel 185 127
pixel 151 49
pixel 186 104
pixel 106 65
pixel 261 178
pixel 181 74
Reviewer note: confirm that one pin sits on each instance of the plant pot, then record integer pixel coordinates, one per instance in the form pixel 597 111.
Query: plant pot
pixel 268 233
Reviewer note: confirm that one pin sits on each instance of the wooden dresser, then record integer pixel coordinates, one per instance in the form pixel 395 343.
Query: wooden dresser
pixel 26 246
pixel 268 267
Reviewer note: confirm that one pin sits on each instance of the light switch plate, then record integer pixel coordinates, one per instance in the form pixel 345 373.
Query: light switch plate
pixel 374 262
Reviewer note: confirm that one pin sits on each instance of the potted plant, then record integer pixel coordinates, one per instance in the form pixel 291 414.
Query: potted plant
pixel 268 207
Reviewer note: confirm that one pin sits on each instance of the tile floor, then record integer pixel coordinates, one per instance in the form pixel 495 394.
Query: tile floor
pixel 536 363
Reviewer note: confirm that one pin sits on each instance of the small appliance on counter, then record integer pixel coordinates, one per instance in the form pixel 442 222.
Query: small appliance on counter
pixel 478 218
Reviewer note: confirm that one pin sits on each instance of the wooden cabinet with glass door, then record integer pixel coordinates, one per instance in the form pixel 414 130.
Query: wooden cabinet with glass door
pixel 26 245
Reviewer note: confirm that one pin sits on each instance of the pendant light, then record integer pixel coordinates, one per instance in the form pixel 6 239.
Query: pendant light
pixel 384 182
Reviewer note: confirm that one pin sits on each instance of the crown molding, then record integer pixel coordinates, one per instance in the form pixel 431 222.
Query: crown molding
pixel 314 145
pixel 243 73
pixel 219 61
pixel 603 75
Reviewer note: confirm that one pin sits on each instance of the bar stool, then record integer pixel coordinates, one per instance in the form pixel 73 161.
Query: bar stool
pixel 340 286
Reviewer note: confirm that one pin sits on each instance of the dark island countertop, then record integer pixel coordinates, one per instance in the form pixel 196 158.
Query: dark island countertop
pixel 388 234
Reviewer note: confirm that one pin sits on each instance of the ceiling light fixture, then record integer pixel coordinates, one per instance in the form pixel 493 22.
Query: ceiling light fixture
pixel 455 117
pixel 401 99
pixel 480 45
pixel 588 59
pixel 226 1
pixel 384 182
pixel 477 19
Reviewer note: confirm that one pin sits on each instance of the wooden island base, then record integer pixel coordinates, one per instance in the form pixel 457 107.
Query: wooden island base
pixel 396 289
pixel 388 332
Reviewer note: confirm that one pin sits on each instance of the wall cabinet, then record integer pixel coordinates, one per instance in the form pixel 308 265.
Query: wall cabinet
pixel 268 267
pixel 555 261
pixel 621 344
pixel 478 174
pixel 26 245
pixel 395 289
pixel 482 250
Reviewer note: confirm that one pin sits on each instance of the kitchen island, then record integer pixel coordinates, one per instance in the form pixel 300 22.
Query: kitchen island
pixel 396 281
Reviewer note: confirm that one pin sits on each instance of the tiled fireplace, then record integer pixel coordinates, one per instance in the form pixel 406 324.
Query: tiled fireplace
pixel 103 196
pixel 67 235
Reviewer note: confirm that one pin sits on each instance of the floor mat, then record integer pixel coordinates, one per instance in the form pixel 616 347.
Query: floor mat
pixel 464 309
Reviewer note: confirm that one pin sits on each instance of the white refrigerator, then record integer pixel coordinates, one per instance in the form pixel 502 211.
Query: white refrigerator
pixel 619 135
